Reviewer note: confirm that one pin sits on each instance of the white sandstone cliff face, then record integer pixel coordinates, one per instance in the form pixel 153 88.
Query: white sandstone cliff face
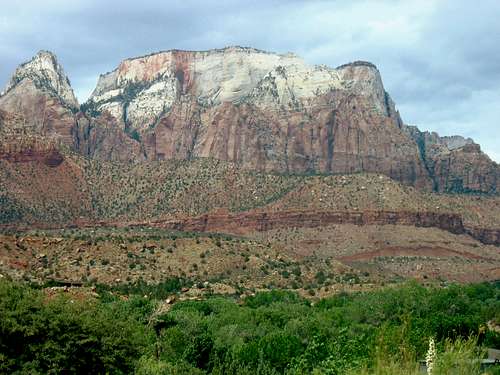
pixel 363 78
pixel 46 74
pixel 260 110
pixel 143 89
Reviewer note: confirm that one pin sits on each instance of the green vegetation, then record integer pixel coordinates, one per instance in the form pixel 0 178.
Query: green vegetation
pixel 10 211
pixel 277 332
pixel 100 190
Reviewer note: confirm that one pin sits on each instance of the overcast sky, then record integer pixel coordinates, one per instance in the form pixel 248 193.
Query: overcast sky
pixel 439 59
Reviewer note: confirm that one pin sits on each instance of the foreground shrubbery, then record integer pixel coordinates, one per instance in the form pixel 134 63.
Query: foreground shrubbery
pixel 382 332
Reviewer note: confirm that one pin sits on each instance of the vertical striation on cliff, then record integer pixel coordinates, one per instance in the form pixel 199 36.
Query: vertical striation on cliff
pixel 262 111
pixel 456 164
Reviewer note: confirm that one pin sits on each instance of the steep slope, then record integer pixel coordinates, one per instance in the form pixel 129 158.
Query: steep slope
pixel 261 111
pixel 39 101
pixel 57 188
pixel 272 112
pixel 456 164
pixel 100 138
pixel 40 94
pixel 46 74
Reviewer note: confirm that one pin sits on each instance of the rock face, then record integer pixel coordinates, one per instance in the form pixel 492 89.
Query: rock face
pixel 46 74
pixel 250 221
pixel 259 110
pixel 40 93
pixel 32 149
pixel 39 101
pixel 100 138
pixel 456 164
pixel 263 111
pixel 488 236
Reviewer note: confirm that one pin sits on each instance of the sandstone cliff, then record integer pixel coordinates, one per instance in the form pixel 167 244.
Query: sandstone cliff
pixel 39 101
pixel 40 93
pixel 262 111
pixel 44 72
pixel 30 149
pixel 456 164
pixel 251 221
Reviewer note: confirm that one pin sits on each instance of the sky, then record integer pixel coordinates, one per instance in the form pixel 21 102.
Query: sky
pixel 439 59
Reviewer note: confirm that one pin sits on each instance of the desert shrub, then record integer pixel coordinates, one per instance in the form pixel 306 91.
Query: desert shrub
pixel 268 298
pixel 159 290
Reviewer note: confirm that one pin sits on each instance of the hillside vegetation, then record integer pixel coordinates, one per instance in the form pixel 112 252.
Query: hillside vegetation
pixel 88 189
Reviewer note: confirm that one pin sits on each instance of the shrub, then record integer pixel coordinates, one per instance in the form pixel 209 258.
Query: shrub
pixel 276 332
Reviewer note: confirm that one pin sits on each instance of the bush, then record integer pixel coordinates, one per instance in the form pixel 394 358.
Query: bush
pixel 59 335
pixel 275 296
pixel 276 332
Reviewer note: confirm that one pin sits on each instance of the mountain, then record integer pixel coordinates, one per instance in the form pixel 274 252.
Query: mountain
pixel 456 164
pixel 262 111
pixel 291 160
pixel 40 94
pixel 46 74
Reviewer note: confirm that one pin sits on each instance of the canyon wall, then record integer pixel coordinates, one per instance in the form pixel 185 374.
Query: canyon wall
pixel 262 111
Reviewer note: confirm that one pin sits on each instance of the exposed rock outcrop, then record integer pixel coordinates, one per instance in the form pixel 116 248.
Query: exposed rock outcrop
pixel 263 111
pixel 489 236
pixel 39 101
pixel 100 138
pixel 46 74
pixel 40 94
pixel 246 222
pixel 456 164
pixel 30 149
pixel 259 110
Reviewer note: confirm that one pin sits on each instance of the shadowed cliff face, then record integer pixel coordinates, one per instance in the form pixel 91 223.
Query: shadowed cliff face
pixel 259 110
pixel 456 164
pixel 349 138
pixel 16 150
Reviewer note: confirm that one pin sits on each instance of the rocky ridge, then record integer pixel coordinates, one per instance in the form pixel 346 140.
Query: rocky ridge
pixel 246 222
pixel 259 110
pixel 456 164
pixel 46 74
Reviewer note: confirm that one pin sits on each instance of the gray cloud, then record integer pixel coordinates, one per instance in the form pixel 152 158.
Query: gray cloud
pixel 439 59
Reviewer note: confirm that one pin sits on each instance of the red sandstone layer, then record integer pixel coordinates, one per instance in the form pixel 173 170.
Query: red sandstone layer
pixel 245 222
pixel 29 150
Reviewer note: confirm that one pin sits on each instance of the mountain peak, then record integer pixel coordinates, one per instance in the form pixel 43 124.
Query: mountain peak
pixel 46 74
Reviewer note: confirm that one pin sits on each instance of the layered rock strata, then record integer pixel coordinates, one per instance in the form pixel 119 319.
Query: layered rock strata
pixel 263 111
pixel 251 221
pixel 260 110
pixel 32 149
pixel 456 164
